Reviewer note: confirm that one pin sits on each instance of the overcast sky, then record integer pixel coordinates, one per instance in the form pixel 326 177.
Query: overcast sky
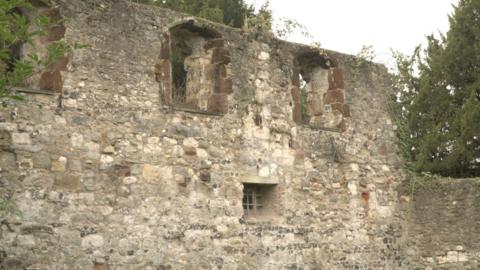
pixel 346 25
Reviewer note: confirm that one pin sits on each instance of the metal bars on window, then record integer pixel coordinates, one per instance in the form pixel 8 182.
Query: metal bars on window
pixel 252 199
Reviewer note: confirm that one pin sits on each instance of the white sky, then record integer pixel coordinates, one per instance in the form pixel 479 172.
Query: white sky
pixel 346 25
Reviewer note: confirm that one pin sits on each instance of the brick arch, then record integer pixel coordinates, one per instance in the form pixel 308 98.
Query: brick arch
pixel 207 67
pixel 321 103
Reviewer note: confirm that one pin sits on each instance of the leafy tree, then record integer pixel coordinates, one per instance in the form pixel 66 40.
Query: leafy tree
pixel 439 120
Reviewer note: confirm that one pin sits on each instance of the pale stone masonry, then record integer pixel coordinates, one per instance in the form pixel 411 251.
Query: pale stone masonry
pixel 243 170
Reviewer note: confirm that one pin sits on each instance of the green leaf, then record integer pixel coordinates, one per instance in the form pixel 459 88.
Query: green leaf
pixel 81 46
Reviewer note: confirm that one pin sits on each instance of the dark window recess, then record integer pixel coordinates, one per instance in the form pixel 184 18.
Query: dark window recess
pixel 252 199
pixel 198 61
pixel 259 200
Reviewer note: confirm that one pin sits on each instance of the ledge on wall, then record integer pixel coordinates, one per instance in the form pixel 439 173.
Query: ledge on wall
pixel 191 110
pixel 34 91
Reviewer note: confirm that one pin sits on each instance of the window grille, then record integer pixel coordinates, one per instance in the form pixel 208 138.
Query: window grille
pixel 252 199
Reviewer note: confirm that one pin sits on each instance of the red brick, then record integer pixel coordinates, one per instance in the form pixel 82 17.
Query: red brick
pixel 296 76
pixel 57 31
pixel 343 108
pixel 365 197
pixel 53 14
pixel 346 110
pixel 163 76
pixel 296 95
pixel 297 114
pixel 221 71
pixel 61 64
pixel 51 81
pixel 334 96
pixel 214 43
pixel 224 85
pixel 297 107
pixel 335 79
pixel 165 50
pixel 217 103
pixel 220 56
pixel 342 126
pixel 215 70
pixel 162 71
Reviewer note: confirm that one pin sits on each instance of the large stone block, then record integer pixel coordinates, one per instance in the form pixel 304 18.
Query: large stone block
pixel 57 30
pixel 51 81
pixel 224 85
pixel 5 138
pixel 220 56
pixel 163 71
pixel 68 181
pixel 214 43
pixel 317 105
pixel 334 96
pixel 296 76
pixel 343 108
pixel 217 103
pixel 165 51
pixel 335 79
pixel 21 138
pixel 61 64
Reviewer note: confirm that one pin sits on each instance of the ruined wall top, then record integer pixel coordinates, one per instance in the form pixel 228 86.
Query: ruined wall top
pixel 175 143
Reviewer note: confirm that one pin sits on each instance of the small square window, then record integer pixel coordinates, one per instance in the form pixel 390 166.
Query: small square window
pixel 258 200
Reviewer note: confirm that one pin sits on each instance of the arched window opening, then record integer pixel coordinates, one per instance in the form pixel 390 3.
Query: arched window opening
pixel 317 91
pixel 197 60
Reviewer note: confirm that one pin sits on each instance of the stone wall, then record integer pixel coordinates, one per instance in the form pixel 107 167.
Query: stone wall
pixel 442 224
pixel 109 174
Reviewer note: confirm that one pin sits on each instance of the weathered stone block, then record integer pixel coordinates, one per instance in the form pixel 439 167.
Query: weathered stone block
pixel 334 96
pixel 7 161
pixel 20 138
pixel 263 56
pixel 92 241
pixel 51 81
pixel 346 110
pixel 220 56
pixel 205 176
pixel 68 181
pixel 342 126
pixel 217 103
pixel 190 151
pixel 214 43
pixel 5 138
pixel 165 51
pixel 61 64
pixel 57 31
pixel 151 172
pixel 335 79
pixel 316 105
pixel 382 150
pixel 163 70
pixel 343 108
pixel 296 105
pixel 35 229
pixel 186 131
pixel 224 85
pixel 296 76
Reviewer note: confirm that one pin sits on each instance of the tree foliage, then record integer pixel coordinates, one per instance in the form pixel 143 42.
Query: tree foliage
pixel 438 105
pixel 15 30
